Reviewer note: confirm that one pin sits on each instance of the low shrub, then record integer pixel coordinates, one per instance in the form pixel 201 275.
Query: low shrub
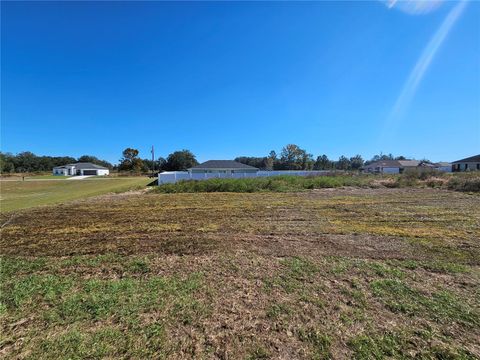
pixel 464 183
pixel 421 173
pixel 435 182
pixel 421 177
pixel 406 181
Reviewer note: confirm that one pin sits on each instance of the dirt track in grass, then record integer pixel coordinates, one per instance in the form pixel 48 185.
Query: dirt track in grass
pixel 363 273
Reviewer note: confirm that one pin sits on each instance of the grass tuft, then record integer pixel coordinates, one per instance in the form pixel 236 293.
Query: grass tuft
pixel 319 341
pixel 441 306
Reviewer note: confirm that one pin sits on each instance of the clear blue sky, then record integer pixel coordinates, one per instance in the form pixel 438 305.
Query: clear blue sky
pixel 228 79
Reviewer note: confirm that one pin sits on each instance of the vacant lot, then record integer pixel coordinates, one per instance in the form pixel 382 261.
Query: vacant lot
pixel 24 194
pixel 335 273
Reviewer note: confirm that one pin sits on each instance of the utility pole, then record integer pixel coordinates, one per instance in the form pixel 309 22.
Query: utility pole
pixel 153 162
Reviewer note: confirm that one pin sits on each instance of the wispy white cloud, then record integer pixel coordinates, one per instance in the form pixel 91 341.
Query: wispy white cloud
pixel 410 87
pixel 413 7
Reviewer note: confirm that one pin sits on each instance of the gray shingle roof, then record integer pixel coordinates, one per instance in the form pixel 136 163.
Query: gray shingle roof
pixel 409 162
pixel 222 164
pixel 475 158
pixel 83 166
pixel 393 163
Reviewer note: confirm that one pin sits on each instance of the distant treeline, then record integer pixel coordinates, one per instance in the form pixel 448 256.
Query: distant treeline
pixel 29 162
pixel 291 157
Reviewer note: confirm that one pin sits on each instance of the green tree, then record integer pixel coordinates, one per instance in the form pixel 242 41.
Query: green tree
pixel 268 163
pixel 293 157
pixel 180 160
pixel 258 162
pixel 271 162
pixel 382 157
pixel 6 163
pixel 158 165
pixel 94 160
pixel 356 162
pixel 130 161
pixel 161 163
pixel 323 163
pixel 343 163
pixel 26 162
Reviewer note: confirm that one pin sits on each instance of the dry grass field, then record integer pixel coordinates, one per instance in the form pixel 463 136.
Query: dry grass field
pixel 334 273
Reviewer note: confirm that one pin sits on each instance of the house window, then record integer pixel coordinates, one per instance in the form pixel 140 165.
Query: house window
pixel 478 166
pixel 466 166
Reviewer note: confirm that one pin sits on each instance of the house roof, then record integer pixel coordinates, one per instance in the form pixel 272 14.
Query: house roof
pixel 406 163
pixel 442 163
pixel 82 166
pixel 393 163
pixel 475 158
pixel 222 164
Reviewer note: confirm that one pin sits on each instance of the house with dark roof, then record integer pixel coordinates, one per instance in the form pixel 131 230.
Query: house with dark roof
pixel 80 168
pixel 471 163
pixel 222 167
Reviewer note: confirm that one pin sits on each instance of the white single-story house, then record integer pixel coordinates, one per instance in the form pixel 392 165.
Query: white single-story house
pixel 80 169
pixel 471 163
pixel 391 166
pixel 222 167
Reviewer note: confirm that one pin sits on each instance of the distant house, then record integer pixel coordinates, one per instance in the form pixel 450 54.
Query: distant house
pixel 471 163
pixel 443 166
pixel 80 169
pixel 222 167
pixel 391 166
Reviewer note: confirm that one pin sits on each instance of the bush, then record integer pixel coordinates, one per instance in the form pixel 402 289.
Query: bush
pixel 406 181
pixel 435 182
pixel 470 184
pixel 420 176
pixel 422 173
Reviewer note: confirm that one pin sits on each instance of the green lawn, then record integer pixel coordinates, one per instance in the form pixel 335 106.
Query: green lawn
pixel 40 177
pixel 17 195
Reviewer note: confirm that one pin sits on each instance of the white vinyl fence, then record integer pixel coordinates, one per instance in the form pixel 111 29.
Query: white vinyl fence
pixel 171 177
